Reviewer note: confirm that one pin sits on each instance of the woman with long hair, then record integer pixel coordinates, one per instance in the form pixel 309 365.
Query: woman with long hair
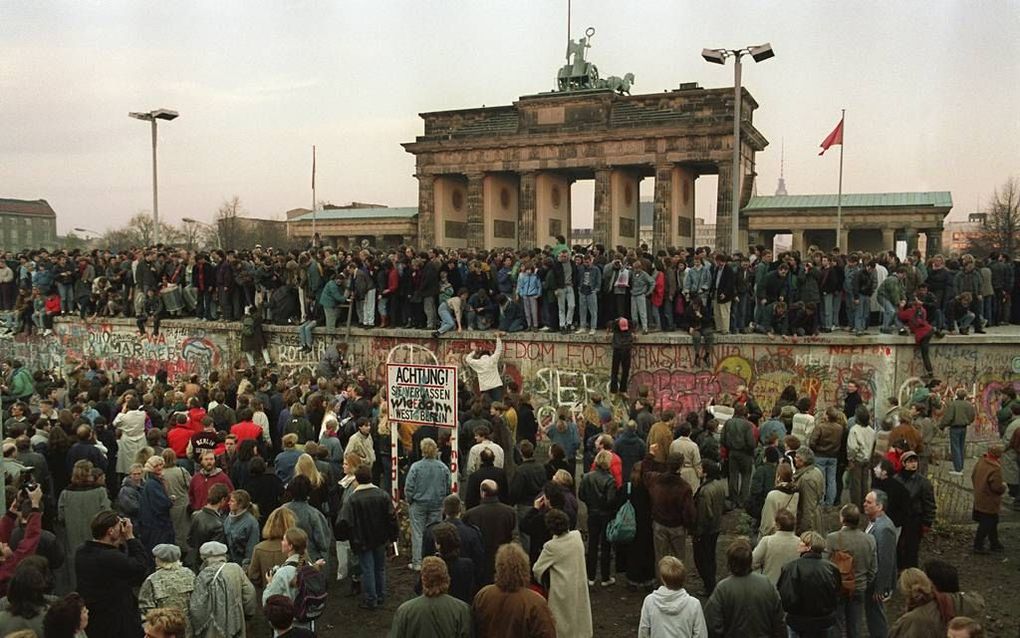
pixel 27 599
pixel 241 527
pixel 75 509
pixel 66 618
pixel 509 608
pixel 306 467
pixel 283 579
pixel 269 553
pixel 177 481
pixel 154 508
pixel 924 615
pixel 241 470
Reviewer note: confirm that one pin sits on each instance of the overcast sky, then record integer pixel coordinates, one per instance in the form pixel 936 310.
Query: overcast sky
pixel 931 91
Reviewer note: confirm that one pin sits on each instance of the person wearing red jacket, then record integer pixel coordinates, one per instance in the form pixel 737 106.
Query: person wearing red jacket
pixel 9 559
pixel 246 428
pixel 179 436
pixel 195 415
pixel 915 319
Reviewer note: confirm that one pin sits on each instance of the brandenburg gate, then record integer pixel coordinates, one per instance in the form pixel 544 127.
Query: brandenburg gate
pixel 500 176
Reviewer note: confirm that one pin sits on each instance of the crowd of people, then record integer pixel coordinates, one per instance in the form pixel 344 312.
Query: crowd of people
pixel 196 507
pixel 559 287
pixel 181 508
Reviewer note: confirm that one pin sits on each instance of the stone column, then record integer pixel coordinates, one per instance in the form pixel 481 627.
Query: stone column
pixel 933 242
pixel 724 204
pixel 844 240
pixel 426 211
pixel 798 241
pixel 603 220
pixel 888 238
pixel 528 214
pixel 911 237
pixel 476 210
pixel 662 216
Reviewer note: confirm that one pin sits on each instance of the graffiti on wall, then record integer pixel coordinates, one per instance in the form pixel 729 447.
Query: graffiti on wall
pixel 179 351
pixel 982 372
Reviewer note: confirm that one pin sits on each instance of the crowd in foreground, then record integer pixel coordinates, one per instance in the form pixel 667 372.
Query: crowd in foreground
pixel 558 288
pixel 180 508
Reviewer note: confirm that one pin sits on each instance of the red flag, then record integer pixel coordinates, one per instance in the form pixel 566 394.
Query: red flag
pixel 835 137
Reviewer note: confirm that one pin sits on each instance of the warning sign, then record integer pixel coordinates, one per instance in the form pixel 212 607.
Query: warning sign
pixel 421 394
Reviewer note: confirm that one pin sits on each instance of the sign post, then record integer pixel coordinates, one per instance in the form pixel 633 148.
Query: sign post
pixel 422 395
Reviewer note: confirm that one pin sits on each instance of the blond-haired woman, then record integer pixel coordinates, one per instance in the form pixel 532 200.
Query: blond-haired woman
pixel 269 553
pixel 154 511
pixel 75 509
pixel 923 616
pixel 306 467
pixel 509 607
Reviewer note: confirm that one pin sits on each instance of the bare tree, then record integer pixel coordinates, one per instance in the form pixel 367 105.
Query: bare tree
pixel 1002 219
pixel 228 225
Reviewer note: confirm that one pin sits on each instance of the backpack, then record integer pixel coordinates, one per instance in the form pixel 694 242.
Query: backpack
pixel 310 600
pixel 248 326
pixel 623 527
pixel 844 561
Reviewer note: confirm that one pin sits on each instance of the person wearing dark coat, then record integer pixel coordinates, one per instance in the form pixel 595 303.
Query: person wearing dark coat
pixel 109 569
pixel 85 448
pixel 497 523
pixel 486 471
pixel 154 522
pixel 810 588
pixel 471 545
pixel 527 424
pixel 629 447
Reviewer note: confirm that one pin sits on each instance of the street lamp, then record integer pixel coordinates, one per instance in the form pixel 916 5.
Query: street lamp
pixel 759 53
pixel 152 116
pixel 216 231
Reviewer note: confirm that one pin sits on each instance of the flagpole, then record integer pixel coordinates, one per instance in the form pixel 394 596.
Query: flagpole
pixel 839 194
pixel 315 205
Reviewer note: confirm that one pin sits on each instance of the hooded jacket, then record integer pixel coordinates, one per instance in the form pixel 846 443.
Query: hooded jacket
pixel 671 613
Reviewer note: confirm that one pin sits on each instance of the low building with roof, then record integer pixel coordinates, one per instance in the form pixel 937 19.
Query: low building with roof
pixel 379 226
pixel 871 221
pixel 27 224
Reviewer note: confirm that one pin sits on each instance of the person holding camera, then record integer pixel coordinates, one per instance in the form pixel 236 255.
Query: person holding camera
pixel 109 568
pixel 30 500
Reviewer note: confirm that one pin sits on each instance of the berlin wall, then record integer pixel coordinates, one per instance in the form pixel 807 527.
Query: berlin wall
pixel 561 370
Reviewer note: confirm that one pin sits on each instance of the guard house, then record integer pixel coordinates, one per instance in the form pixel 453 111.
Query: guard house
pixel 872 222
pixel 501 176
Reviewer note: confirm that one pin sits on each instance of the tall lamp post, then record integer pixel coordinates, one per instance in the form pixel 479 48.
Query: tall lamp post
pixel 215 229
pixel 760 53
pixel 152 116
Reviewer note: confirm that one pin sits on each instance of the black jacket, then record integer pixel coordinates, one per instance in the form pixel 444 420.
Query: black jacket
pixel 527 482
pixel 367 519
pixel 725 289
pixel 473 495
pixel 809 588
pixel 107 579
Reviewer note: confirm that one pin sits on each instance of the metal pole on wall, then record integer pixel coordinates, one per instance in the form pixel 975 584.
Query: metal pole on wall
pixel 839 193
pixel 155 189
pixel 314 200
pixel 735 206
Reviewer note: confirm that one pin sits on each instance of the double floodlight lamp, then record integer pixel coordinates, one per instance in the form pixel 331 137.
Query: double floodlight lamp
pixel 760 53
pixel 158 114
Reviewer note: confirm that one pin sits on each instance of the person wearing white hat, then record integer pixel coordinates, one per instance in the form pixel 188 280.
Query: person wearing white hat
pixel 223 598
pixel 170 585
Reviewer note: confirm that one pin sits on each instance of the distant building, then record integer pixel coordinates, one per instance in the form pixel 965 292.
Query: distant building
pixel 27 224
pixel 872 222
pixel 959 236
pixel 347 226
pixel 704 234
